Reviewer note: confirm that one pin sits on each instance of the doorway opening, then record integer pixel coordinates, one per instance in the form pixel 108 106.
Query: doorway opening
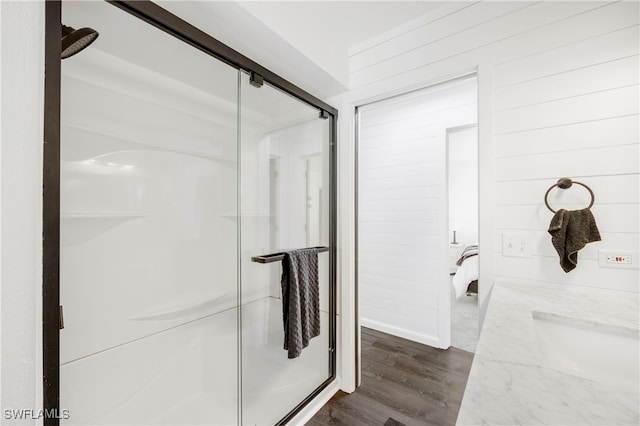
pixel 405 253
pixel 462 180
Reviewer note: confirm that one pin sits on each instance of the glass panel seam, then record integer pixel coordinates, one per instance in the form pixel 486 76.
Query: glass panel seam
pixel 239 239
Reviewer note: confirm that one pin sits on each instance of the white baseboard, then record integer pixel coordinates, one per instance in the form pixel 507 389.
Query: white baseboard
pixel 401 332
pixel 314 406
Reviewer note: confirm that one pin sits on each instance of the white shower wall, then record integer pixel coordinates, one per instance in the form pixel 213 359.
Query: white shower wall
pixel 274 206
pixel 166 195
pixel 148 254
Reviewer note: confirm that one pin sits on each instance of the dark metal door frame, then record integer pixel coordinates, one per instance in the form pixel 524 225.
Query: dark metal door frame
pixel 166 21
pixel 51 213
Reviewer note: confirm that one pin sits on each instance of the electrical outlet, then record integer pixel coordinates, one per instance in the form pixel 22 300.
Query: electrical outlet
pixel 624 259
pixel 517 244
pixel 618 259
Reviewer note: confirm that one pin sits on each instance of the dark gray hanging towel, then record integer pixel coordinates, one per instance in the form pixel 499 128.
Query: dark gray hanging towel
pixel 571 231
pixel 300 299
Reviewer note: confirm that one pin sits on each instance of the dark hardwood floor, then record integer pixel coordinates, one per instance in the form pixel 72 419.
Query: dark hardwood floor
pixel 403 382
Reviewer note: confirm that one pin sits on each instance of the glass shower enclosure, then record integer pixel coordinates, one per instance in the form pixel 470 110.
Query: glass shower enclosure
pixel 183 180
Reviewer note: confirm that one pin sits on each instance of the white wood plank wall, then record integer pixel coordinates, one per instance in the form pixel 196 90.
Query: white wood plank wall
pixel 564 101
pixel 402 205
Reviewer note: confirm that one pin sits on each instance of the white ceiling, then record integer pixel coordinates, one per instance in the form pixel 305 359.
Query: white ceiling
pixel 306 42
pixel 326 31
pixel 350 22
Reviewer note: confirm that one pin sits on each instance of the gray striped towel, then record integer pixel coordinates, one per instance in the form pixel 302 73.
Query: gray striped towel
pixel 300 299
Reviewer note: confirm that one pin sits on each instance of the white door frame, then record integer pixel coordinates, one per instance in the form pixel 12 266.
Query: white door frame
pixel 442 338
pixel 449 131
pixel 349 322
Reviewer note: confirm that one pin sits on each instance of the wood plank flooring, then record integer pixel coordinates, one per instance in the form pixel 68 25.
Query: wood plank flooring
pixel 403 382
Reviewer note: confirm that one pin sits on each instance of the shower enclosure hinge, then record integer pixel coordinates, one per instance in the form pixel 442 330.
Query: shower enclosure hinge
pixel 324 114
pixel 256 80
pixel 61 318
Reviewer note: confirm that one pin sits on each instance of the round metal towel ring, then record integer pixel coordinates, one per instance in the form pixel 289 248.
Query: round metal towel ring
pixel 565 183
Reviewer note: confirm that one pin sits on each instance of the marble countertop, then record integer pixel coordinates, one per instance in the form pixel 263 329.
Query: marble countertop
pixel 508 385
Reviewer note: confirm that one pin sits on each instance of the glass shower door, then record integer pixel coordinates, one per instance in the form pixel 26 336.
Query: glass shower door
pixel 285 156
pixel 149 232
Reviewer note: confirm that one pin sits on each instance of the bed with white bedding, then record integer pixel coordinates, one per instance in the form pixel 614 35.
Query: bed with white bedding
pixel 465 279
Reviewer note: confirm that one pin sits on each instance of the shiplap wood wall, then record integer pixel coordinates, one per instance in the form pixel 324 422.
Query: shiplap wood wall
pixel 560 98
pixel 402 206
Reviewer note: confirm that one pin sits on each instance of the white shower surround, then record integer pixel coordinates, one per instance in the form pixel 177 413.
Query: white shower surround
pixel 188 374
pixel 156 331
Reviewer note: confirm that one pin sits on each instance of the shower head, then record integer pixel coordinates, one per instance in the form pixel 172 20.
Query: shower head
pixel 74 41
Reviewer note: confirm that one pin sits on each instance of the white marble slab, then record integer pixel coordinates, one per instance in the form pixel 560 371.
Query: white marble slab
pixel 509 386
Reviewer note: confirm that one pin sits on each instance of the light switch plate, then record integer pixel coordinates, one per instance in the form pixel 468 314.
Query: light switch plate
pixel 517 244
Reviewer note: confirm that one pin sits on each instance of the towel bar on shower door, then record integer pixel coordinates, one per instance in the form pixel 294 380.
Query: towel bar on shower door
pixel 275 257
